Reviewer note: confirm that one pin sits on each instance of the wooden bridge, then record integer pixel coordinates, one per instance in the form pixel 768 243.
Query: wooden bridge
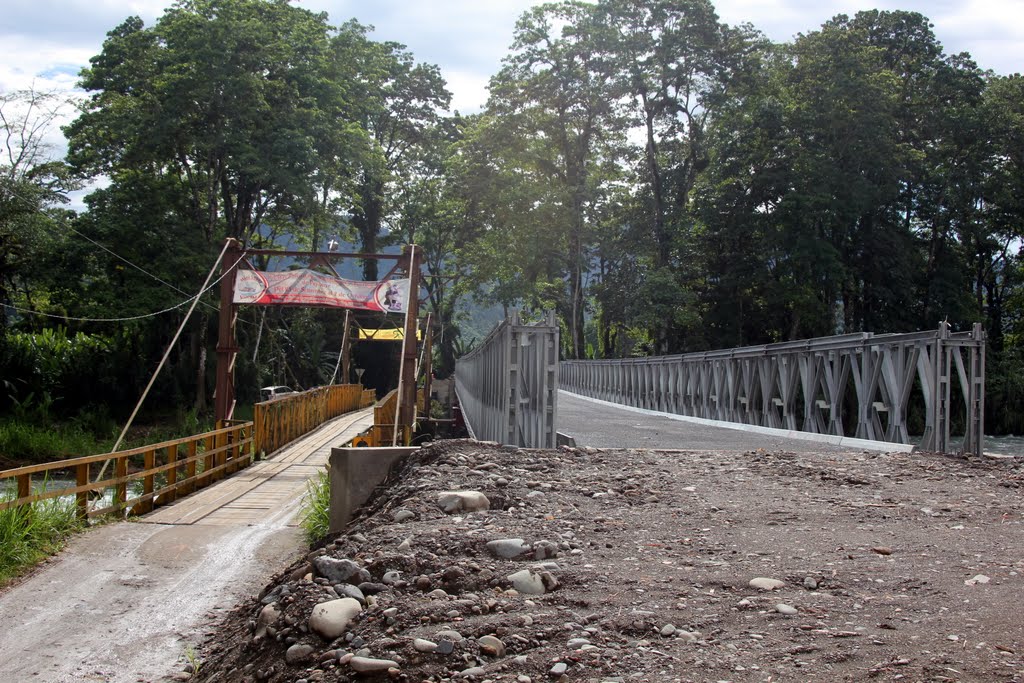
pixel 119 602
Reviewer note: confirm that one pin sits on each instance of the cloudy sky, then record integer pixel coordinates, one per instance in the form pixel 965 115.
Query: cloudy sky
pixel 46 42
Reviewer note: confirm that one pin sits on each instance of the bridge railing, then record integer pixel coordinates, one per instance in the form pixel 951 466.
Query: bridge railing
pixel 858 385
pixel 508 386
pixel 280 421
pixel 141 478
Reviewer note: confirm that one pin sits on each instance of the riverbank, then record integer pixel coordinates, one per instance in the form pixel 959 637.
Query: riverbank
pixel 646 565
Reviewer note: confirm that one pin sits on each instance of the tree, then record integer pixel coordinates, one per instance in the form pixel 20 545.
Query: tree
pixel 32 185
pixel 399 103
pixel 230 97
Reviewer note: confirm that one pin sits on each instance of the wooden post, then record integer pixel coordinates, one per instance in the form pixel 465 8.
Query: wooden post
pixel 172 473
pixel 148 462
pixel 121 487
pixel 227 348
pixel 407 401
pixel 346 350
pixel 82 497
pixel 24 491
pixel 190 468
pixel 428 362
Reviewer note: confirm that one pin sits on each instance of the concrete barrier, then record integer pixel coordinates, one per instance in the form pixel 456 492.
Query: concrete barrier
pixel 354 474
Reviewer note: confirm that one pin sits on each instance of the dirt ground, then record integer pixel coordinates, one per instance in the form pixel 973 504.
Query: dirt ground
pixel 888 567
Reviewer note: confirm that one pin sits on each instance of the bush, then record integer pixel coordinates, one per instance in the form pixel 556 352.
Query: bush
pixel 31 533
pixel 316 508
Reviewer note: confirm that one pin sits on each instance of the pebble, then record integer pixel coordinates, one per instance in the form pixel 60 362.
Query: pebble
pixel 577 643
pixel 423 645
pixel 785 609
pixel 368 664
pixel 766 584
pixel 347 590
pixel 330 619
pixel 340 571
pixel 533 583
pixel 445 647
pixel 462 501
pixel 402 515
pixel 491 645
pixel 667 630
pixel 268 617
pixel 508 548
pixel 449 634
pixel 882 550
pixel 298 653
pixel 810 583
pixel 558 669
pixel 471 671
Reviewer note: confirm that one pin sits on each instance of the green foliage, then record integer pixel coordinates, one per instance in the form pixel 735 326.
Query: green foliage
pixel 30 534
pixel 316 508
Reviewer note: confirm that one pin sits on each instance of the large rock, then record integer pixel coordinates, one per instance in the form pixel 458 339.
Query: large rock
pixel 330 619
pixel 368 664
pixel 268 617
pixel 340 571
pixel 462 501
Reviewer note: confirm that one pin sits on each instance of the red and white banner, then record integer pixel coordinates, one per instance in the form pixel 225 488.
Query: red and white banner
pixel 310 288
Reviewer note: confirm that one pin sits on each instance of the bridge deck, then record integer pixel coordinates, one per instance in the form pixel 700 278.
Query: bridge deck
pixel 122 602
pixel 249 496
pixel 602 425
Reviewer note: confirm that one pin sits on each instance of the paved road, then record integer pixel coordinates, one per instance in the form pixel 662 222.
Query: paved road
pixel 124 601
pixel 603 426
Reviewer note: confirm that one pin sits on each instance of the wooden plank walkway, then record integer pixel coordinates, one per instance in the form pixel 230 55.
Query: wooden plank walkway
pixel 249 496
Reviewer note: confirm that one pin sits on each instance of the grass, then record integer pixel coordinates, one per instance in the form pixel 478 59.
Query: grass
pixel 31 533
pixel 25 442
pixel 316 508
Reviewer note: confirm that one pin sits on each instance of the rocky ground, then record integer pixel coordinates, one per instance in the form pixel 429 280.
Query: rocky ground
pixel 483 563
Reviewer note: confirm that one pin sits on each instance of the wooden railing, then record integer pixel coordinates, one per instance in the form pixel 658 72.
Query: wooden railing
pixel 280 421
pixel 383 430
pixel 169 469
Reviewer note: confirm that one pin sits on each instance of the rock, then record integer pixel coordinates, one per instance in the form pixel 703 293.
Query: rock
pixel 402 515
pixel 533 583
pixel 445 647
pixel 978 578
pixel 489 645
pixel 391 578
pixel 543 550
pixel 449 634
pixel 340 571
pixel 371 588
pixel 810 583
pixel 462 501
pixel 882 550
pixel 298 653
pixel 423 645
pixel 330 619
pixel 766 584
pixel 577 643
pixel 667 630
pixel 787 610
pixel 471 671
pixel 268 617
pixel 688 636
pixel 368 664
pixel 347 590
pixel 558 670
pixel 508 548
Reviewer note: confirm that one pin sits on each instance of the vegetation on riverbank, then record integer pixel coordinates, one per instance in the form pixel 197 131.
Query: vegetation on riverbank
pixel 31 533
pixel 316 508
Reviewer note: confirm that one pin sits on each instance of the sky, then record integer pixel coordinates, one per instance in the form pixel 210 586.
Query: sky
pixel 46 42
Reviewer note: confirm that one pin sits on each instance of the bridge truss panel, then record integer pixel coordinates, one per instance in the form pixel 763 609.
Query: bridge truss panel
pixel 860 385
pixel 508 386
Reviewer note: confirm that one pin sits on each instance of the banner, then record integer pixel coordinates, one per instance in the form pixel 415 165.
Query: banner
pixel 310 288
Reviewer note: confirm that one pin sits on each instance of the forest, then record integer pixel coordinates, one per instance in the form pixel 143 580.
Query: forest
pixel 665 182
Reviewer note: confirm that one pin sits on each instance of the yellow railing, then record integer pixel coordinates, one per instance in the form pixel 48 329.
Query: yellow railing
pixel 383 431
pixel 282 420
pixel 168 469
